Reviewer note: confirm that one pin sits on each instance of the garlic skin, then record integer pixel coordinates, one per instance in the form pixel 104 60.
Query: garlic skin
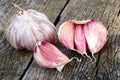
pixel 88 35
pixel 27 27
pixel 48 56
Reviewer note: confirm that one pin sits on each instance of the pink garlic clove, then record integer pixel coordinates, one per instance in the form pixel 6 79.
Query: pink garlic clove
pixel 66 34
pixel 80 41
pixel 48 56
pixel 96 35
pixel 42 20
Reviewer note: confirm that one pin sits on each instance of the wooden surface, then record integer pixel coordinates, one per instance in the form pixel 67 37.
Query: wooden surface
pixel 15 65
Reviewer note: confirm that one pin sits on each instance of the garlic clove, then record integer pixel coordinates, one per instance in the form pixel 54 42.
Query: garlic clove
pixel 47 29
pixel 80 41
pixel 42 20
pixel 48 56
pixel 35 14
pixel 12 39
pixel 66 34
pixel 96 35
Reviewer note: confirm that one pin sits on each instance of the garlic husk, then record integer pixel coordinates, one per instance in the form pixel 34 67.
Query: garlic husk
pixel 88 35
pixel 28 27
pixel 48 56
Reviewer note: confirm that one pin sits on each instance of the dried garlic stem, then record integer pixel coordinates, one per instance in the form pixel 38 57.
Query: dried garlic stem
pixel 18 7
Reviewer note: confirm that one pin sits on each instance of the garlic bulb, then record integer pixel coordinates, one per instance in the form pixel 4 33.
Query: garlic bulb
pixel 83 36
pixel 48 56
pixel 27 27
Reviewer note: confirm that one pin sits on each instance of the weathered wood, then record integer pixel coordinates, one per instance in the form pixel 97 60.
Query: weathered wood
pixel 13 63
pixel 107 66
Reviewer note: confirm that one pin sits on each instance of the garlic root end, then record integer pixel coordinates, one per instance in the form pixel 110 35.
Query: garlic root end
pixel 93 58
pixel 79 60
pixel 88 57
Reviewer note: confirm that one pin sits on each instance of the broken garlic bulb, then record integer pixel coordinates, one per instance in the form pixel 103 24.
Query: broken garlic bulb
pixel 49 56
pixel 83 36
pixel 27 27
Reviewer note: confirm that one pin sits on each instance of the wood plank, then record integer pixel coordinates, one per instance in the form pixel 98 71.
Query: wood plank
pixel 13 63
pixel 107 66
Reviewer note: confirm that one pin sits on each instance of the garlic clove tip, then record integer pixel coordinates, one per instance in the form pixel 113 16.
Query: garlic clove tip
pixel 59 68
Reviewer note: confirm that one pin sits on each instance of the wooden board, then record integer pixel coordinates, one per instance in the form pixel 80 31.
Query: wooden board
pixel 14 63
pixel 107 66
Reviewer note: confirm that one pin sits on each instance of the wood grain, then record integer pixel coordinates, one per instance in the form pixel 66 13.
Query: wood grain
pixel 107 66
pixel 14 63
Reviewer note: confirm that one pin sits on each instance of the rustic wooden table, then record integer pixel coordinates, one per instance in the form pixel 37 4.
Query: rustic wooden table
pixel 20 65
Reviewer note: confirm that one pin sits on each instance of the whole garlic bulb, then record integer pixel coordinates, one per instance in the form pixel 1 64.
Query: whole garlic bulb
pixel 28 27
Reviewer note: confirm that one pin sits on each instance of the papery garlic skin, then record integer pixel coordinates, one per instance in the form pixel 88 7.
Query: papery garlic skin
pixel 88 35
pixel 28 27
pixel 48 56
